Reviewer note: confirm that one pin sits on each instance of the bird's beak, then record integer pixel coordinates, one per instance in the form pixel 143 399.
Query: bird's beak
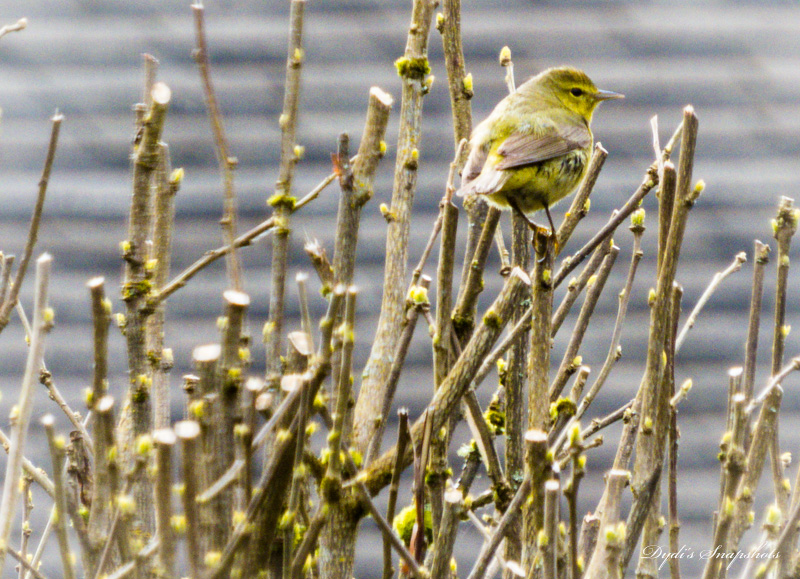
pixel 604 95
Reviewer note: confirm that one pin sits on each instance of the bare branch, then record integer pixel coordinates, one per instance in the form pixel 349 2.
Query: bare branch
pixel 33 230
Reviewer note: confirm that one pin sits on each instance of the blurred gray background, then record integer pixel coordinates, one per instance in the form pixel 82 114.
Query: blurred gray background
pixel 738 63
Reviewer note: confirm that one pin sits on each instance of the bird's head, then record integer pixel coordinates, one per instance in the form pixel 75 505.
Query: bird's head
pixel 573 89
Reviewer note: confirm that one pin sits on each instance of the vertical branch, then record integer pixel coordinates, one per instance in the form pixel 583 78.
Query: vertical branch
pixel 599 567
pixel 784 227
pixel 137 285
pixel 106 474
pixel 651 398
pixel 282 201
pixel 101 317
pixel 537 470
pixel 465 310
pixel 206 410
pixel 448 23
pixel 735 463
pixel 167 183
pixel 413 69
pixel 760 442
pixel 552 492
pixel 539 355
pixel 27 507
pixel 674 522
pixel 8 301
pixel 515 382
pixel 227 163
pixel 648 508
pixel 760 260
pixel 577 473
pixel 188 433
pixel 666 206
pixel 460 85
pixel 336 439
pixel 357 184
pixel 443 545
pixel 56 444
pixel 234 358
pixel 444 276
pixel 164 439
pixel 42 320
pixel 403 440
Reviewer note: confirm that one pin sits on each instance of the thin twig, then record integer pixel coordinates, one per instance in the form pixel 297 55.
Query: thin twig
pixel 33 230
pixel 227 163
pixel 42 320
pixel 46 379
pixel 637 227
pixel 568 362
pixel 467 302
pixel 718 278
pixel 26 565
pixel 443 335
pixel 403 440
pixel 576 285
pixel 208 258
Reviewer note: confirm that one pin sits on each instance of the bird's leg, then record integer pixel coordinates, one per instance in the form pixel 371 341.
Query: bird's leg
pixel 550 219
pixel 552 229
pixel 534 226
pixel 537 229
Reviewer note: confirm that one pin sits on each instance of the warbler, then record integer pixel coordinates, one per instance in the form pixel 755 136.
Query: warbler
pixel 533 149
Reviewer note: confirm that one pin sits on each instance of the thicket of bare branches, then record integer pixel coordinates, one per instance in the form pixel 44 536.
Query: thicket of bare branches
pixel 258 500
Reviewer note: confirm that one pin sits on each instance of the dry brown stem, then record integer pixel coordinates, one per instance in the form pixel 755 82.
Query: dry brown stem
pixel 282 200
pixel 412 67
pixel 227 163
pixel 10 300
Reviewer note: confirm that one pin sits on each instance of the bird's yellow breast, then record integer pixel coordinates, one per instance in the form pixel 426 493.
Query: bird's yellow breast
pixel 542 184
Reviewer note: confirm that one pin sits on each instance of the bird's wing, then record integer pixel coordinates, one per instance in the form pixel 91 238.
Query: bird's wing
pixel 474 164
pixel 522 149
pixel 486 182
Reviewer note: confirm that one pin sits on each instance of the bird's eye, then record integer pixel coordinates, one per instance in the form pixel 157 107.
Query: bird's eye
pixel 576 92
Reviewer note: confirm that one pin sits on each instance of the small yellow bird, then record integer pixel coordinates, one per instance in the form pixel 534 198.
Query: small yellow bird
pixel 533 149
